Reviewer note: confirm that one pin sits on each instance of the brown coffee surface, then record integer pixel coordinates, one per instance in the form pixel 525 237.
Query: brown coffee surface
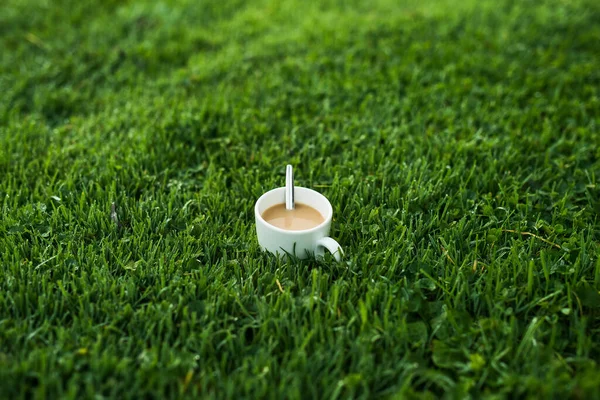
pixel 300 218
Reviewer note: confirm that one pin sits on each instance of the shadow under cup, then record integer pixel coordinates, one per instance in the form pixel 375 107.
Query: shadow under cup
pixel 302 244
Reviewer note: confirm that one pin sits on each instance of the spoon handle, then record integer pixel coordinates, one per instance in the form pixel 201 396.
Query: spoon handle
pixel 289 188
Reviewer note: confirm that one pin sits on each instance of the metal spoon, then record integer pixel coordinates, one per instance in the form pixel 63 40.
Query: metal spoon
pixel 289 188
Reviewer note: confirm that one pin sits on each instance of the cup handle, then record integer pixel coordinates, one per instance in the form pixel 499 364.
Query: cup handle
pixel 331 245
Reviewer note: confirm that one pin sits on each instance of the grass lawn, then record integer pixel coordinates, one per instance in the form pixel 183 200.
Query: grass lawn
pixel 458 142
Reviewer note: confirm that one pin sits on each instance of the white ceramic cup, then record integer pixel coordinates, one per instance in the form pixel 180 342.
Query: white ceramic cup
pixel 303 243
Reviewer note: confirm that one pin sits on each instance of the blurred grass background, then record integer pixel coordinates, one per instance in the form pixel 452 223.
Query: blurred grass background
pixel 457 141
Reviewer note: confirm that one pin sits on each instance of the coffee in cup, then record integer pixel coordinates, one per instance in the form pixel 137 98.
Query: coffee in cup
pixel 298 219
pixel 306 231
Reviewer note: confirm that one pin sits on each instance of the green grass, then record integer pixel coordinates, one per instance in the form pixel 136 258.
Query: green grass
pixel 440 131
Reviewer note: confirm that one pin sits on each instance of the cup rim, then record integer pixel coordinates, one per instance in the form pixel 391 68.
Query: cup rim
pixel 327 219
